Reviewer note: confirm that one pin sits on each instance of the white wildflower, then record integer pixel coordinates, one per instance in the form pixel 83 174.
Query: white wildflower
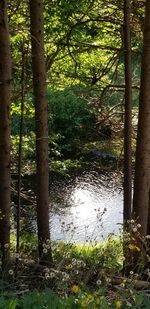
pixel 11 272
pixel 80 263
pixel 47 275
pixel 108 280
pixel 6 246
pixel 122 285
pixel 134 229
pixel 17 255
pixel 52 275
pixel 74 262
pixel 98 282
pixel 65 276
pixel 44 250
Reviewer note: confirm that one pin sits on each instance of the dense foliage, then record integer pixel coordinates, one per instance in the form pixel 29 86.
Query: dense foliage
pixel 85 69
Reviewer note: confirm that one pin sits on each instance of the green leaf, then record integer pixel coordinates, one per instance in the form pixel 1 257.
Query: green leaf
pixel 12 304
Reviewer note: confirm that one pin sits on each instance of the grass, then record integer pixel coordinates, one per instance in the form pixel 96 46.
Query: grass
pixel 83 276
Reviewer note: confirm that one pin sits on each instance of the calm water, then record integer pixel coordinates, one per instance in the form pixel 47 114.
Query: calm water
pixel 87 208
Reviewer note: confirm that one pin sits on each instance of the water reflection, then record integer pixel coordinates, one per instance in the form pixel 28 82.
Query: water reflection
pixel 93 208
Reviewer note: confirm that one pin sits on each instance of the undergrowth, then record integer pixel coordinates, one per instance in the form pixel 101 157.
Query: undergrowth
pixel 82 276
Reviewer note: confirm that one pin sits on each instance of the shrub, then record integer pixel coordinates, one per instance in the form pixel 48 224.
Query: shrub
pixel 71 117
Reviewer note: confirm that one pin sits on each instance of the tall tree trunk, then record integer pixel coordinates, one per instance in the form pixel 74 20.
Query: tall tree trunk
pixel 128 114
pixel 5 97
pixel 22 94
pixel 148 221
pixel 142 167
pixel 41 118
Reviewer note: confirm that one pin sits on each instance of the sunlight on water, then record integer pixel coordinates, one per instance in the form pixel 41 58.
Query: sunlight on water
pixel 94 210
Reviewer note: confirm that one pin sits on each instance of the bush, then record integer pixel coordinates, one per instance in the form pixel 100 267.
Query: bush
pixel 70 117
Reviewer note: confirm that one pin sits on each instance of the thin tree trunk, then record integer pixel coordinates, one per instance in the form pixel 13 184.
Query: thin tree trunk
pixel 5 97
pixel 148 221
pixel 128 114
pixel 41 118
pixel 20 145
pixel 142 167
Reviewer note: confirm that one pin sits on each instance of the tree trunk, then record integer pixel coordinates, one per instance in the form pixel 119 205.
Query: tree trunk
pixel 148 221
pixel 128 114
pixel 41 118
pixel 142 167
pixel 22 80
pixel 5 97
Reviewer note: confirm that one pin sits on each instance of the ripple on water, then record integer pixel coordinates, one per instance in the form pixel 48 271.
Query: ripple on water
pixel 89 208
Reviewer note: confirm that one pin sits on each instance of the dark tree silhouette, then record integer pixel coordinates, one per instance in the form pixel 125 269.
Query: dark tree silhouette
pixel 142 167
pixel 5 97
pixel 41 119
pixel 128 114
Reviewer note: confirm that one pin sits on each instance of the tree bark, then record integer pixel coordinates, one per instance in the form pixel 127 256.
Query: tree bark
pixel 142 167
pixel 41 118
pixel 5 98
pixel 22 93
pixel 128 114
pixel 148 221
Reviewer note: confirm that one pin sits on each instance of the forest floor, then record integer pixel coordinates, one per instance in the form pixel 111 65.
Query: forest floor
pixel 82 276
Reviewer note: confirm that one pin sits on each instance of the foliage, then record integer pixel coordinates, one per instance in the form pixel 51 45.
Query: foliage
pixel 65 166
pixel 84 59
pixel 79 299
pixel 107 255
pixel 70 117
pixel 28 146
pixel 84 276
pixel 34 299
